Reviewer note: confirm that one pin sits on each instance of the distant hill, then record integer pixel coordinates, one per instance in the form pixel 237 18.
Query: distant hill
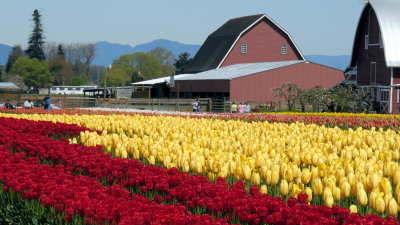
pixel 106 52
pixel 4 51
pixel 339 62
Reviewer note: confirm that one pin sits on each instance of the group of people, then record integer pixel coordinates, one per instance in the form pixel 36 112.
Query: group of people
pixel 240 108
pixel 29 104
pixel 196 105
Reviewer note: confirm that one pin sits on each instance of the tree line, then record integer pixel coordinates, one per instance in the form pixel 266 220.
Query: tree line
pixel 341 98
pixel 45 64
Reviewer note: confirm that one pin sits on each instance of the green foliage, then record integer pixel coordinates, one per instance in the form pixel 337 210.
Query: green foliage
pixel 35 73
pixel 318 98
pixel 16 52
pixel 138 66
pixel 182 61
pixel 77 81
pixel 60 51
pixel 166 58
pixel 60 69
pixel 36 40
pixel 119 75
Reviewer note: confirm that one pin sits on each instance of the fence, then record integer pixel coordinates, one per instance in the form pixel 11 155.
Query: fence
pixel 153 104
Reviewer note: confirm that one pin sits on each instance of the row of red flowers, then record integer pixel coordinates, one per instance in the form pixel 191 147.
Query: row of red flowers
pixel 330 121
pixel 189 190
pixel 85 196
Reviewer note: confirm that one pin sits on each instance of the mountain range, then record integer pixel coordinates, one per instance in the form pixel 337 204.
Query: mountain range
pixel 106 52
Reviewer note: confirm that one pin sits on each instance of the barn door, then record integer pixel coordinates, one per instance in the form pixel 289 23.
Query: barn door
pixel 384 101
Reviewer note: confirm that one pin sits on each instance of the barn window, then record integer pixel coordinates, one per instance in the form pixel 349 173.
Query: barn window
pixel 283 50
pixel 243 49
pixel 366 41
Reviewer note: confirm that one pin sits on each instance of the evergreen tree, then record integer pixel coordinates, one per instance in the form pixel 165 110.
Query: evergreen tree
pixel 60 51
pixel 182 61
pixel 36 40
pixel 16 52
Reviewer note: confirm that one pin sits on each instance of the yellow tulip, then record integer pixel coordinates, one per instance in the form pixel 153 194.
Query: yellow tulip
pixel 305 176
pixel 284 188
pixel 264 189
pixel 379 204
pixel 308 191
pixel 353 209
pixel 362 197
pixel 255 179
pixel 393 208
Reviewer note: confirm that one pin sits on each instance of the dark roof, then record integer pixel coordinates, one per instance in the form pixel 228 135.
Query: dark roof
pixel 217 45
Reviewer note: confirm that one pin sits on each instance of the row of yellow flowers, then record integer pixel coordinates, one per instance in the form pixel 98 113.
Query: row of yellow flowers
pixel 328 162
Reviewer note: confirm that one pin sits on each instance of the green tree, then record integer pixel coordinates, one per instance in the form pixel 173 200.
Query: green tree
pixel 140 66
pixel 60 51
pixel 60 69
pixel 318 98
pixel 342 97
pixel 119 75
pixel 289 92
pixel 182 62
pixel 36 40
pixel 77 81
pixel 16 52
pixel 36 74
pixel 166 59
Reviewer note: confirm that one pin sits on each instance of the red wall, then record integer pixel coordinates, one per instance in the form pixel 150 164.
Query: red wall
pixel 396 80
pixel 264 42
pixel 259 87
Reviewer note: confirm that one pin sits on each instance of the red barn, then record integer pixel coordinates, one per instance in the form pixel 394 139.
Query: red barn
pixel 246 58
pixel 375 61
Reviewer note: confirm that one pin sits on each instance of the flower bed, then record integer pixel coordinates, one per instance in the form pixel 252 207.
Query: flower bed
pixel 189 190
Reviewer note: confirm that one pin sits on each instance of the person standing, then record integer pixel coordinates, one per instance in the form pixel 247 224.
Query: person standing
pixel 46 102
pixel 198 105
pixel 194 105
pixel 234 107
pixel 247 108
pixel 241 107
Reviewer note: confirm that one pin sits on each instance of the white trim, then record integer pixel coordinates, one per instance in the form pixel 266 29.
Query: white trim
pixel 391 92
pixel 240 35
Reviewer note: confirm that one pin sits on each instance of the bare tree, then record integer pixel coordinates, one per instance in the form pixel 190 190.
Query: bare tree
pixel 50 49
pixel 289 92
pixel 80 56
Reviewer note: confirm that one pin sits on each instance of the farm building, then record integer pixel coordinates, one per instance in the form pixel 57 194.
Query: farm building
pixel 375 62
pixel 245 59
pixel 69 90
pixel 9 91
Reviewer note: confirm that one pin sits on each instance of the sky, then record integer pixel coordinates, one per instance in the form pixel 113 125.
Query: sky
pixel 318 27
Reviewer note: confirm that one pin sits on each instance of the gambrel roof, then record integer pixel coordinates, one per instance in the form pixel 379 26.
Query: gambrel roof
pixel 388 15
pixel 219 44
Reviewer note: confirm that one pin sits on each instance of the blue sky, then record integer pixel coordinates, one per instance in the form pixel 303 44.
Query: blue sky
pixel 317 26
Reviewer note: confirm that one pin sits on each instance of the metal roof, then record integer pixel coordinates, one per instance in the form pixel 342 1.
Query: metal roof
pixel 8 85
pixel 238 70
pixel 388 13
pixel 159 80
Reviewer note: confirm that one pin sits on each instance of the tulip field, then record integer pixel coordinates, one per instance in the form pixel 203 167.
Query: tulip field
pixel 76 166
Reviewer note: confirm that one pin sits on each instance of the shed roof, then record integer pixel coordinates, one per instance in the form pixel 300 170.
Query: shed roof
pixel 158 80
pixel 218 44
pixel 239 70
pixel 387 13
pixel 9 86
